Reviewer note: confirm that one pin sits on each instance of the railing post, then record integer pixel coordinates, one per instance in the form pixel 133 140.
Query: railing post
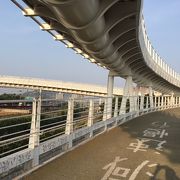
pixel 155 101
pixel 91 113
pixel 136 105
pixel 175 104
pixel 142 102
pixel 34 138
pixel 147 102
pixel 141 99
pixel 162 102
pixel 132 103
pixel 33 125
pixel 172 99
pixel 176 101
pixel 165 102
pixel 70 113
pixel 168 102
pixel 138 102
pixel 159 103
pixel 116 107
pixel 105 109
pixel 37 137
pixel 100 101
pixel 123 105
pixel 110 86
pixel 69 120
pixel 38 121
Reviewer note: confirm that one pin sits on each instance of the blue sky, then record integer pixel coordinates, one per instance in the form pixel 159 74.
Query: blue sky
pixel 27 51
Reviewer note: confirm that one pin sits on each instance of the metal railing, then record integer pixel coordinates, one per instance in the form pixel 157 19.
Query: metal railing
pixel 153 59
pixel 51 127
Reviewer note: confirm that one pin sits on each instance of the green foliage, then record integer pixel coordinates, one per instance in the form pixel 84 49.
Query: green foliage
pixel 10 96
pixel 15 131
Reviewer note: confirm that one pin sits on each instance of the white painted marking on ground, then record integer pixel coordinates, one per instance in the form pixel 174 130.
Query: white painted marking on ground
pixel 159 146
pixel 152 165
pixel 124 172
pixel 112 179
pixel 149 139
pixel 149 174
pixel 163 133
pixel 139 146
pixel 138 169
pixel 160 125
pixel 111 167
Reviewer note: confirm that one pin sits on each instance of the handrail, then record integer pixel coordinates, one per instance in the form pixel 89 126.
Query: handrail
pixel 153 59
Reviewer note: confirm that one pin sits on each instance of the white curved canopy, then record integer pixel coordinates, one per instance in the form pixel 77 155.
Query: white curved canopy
pixel 111 34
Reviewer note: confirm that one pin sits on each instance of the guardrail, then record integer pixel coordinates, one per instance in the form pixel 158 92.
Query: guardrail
pixel 153 59
pixel 30 140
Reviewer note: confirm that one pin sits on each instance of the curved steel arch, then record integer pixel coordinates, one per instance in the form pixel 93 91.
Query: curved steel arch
pixel 92 26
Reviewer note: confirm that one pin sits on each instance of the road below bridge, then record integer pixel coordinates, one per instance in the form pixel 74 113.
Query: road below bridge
pixel 145 148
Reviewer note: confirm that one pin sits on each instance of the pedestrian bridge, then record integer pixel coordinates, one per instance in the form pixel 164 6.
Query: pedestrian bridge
pixel 111 34
pixel 31 140
pixel 56 86
pixel 145 148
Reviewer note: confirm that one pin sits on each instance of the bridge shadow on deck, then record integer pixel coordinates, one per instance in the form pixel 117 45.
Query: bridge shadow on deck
pixel 172 118
pixel 171 148
pixel 170 174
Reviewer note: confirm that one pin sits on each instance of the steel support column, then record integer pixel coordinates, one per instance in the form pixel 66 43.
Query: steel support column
pixel 127 94
pixel 110 86
pixel 151 97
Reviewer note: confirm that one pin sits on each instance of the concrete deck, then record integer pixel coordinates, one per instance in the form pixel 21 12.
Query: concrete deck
pixel 122 153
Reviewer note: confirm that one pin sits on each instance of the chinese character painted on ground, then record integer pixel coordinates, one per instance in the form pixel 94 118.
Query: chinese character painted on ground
pixel 112 169
pixel 160 125
pixel 155 132
pixel 159 146
pixel 115 172
pixel 139 146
